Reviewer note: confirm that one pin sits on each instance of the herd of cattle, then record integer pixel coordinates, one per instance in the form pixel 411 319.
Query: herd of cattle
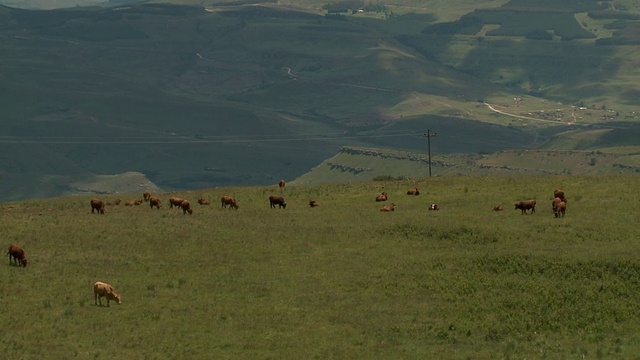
pixel 98 206
pixel 275 201
pixel 17 255
pixel 558 205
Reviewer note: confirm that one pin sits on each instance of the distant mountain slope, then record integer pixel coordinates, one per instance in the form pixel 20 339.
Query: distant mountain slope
pixel 227 94
pixel 192 98
pixel 564 50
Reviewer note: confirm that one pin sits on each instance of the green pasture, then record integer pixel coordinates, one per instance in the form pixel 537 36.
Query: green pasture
pixel 342 280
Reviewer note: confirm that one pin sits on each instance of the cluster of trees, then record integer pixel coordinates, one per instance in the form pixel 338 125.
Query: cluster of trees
pixel 376 8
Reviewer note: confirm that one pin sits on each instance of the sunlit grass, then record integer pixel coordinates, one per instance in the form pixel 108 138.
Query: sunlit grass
pixel 341 278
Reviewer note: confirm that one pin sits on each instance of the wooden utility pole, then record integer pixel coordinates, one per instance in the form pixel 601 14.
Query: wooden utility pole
pixel 429 135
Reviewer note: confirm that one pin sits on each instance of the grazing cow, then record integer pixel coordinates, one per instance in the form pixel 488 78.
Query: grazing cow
pixel 154 202
pixel 498 208
pixel 557 193
pixel 101 290
pixel 313 203
pixel 186 207
pixel 17 254
pixel 382 197
pixel 175 201
pixel 202 201
pixel 391 207
pixel 560 209
pixel 281 183
pixel 413 191
pixel 526 205
pixel 229 200
pixel 434 207
pixel 277 200
pixel 97 205
pixel 146 196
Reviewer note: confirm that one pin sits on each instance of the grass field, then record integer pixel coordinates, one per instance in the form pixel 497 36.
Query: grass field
pixel 342 280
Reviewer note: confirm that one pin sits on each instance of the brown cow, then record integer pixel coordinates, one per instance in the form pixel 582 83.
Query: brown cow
pixel 558 193
pixel 129 203
pixel 498 208
pixel 560 209
pixel 413 191
pixel 175 201
pixel 391 207
pixel 137 202
pixel 382 197
pixel 202 201
pixel 97 204
pixel 555 203
pixel 434 207
pixel 229 200
pixel 17 254
pixel 526 205
pixel 115 202
pixel 277 200
pixel 101 290
pixel 146 196
pixel 186 207
pixel 281 183
pixel 313 203
pixel 154 202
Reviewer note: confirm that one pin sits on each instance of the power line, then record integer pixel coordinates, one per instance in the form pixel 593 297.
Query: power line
pixel 185 140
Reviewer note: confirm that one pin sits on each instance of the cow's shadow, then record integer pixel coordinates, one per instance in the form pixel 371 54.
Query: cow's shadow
pixel 101 305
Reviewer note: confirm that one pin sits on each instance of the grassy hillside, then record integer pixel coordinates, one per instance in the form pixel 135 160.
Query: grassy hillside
pixel 342 278
pixel 240 93
pixel 354 164
pixel 564 47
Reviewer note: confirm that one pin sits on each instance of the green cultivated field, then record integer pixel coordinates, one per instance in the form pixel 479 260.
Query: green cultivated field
pixel 343 280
